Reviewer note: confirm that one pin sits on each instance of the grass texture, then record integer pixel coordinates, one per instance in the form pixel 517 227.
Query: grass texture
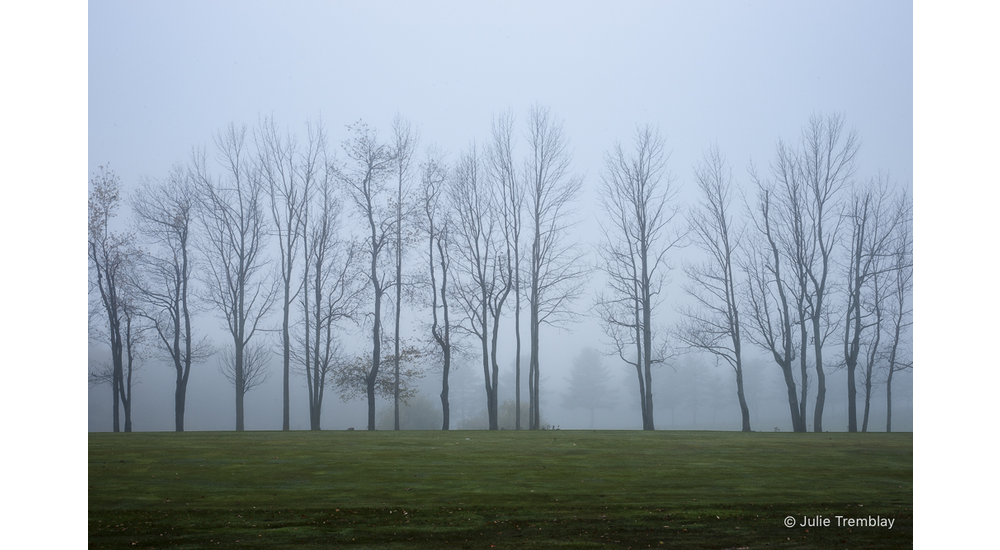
pixel 476 489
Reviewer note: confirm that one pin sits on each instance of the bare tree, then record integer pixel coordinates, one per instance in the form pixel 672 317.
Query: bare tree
pixel 714 324
pixel 233 245
pixel 901 308
pixel 870 224
pixel 487 277
pixel 637 195
pixel 803 228
pixel 434 174
pixel 767 294
pixel 111 256
pixel 796 242
pixel 365 181
pixel 827 167
pixel 404 143
pixel 332 289
pixel 165 215
pixel 134 341
pixel 872 347
pixel 555 269
pixel 500 166
pixel 287 174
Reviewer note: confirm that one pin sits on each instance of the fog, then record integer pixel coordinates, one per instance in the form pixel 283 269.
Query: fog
pixel 693 394
pixel 164 78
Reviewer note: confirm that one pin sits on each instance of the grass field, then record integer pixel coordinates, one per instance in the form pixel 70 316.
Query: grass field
pixel 567 489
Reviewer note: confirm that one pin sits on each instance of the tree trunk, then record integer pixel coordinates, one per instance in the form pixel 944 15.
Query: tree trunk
pixel 116 375
pixel 868 401
pixel 797 422
pixel 491 410
pixel 642 397
pixel 820 378
pixel 376 352
pixel 533 409
pixel 744 409
pixel 240 385
pixel 647 336
pixel 179 397
pixel 517 348
pixel 445 406
pixel 399 296
pixel 852 397
pixel 286 360
pixel 803 366
pixel 888 400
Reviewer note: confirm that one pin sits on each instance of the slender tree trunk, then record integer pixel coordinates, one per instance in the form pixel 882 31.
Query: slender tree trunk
pixel 285 361
pixel 240 383
pixel 126 391
pixel 820 378
pixel 892 368
pixel 864 421
pixel 376 351
pixel 517 340
pixel 399 297
pixel 445 342
pixel 888 400
pixel 852 396
pixel 445 405
pixel 116 378
pixel 642 397
pixel 797 423
pixel 179 396
pixel 180 404
pixel 737 348
pixel 491 411
pixel 744 409
pixel 647 336
pixel 533 409
pixel 803 366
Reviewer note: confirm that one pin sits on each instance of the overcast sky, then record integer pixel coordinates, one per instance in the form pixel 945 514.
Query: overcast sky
pixel 165 76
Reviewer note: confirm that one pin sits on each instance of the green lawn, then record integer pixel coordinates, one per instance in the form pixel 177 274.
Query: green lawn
pixel 475 489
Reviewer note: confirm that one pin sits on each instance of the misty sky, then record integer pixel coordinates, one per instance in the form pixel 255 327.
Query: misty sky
pixel 164 77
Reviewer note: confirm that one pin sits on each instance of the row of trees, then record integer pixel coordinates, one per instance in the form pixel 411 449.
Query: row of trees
pixel 266 234
pixel 271 188
pixel 819 257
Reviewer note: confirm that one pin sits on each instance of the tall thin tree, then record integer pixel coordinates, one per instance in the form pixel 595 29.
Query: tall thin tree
pixel 555 270
pixel 767 295
pixel 434 175
pixel 637 195
pixel 332 289
pixel 404 144
pixel 502 169
pixel 371 164
pixel 869 247
pixel 286 176
pixel 900 306
pixel 713 325
pixel 233 245
pixel 165 215
pixel 828 167
pixel 110 255
pixel 486 279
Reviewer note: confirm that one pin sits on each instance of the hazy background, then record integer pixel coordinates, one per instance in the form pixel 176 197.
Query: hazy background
pixel 164 77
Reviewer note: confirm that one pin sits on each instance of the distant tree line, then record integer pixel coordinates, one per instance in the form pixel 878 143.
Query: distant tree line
pixel 809 263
